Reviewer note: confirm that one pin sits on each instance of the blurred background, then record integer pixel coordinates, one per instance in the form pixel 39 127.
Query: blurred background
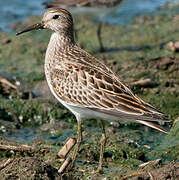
pixel 124 10
pixel 138 39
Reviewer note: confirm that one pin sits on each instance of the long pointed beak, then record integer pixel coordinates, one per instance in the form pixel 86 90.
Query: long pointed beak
pixel 30 28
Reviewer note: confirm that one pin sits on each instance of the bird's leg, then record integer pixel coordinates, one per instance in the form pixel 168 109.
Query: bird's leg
pixel 79 139
pixel 103 142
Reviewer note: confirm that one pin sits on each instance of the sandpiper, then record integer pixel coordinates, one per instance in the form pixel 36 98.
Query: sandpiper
pixel 84 85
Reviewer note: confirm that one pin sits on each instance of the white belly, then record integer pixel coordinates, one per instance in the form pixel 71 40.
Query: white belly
pixel 82 112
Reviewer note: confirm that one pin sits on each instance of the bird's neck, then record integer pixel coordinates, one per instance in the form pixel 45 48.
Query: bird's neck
pixel 58 44
pixel 60 40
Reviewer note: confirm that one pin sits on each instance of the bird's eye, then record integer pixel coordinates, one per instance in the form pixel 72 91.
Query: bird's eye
pixel 56 16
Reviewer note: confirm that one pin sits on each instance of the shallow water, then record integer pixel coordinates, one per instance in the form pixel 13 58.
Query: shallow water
pixel 128 9
pixel 18 10
pixel 27 135
pixel 23 135
pixel 151 138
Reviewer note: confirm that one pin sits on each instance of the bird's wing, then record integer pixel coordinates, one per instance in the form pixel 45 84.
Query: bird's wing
pixel 100 90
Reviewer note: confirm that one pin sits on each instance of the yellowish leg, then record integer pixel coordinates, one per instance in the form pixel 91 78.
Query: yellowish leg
pixel 77 147
pixel 103 142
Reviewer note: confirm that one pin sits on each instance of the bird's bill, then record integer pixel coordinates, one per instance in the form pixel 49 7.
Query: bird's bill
pixel 30 28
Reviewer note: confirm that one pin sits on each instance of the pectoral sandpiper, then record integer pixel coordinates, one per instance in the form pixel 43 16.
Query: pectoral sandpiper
pixel 88 88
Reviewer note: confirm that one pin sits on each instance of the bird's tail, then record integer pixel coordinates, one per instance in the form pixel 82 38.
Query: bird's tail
pixel 153 124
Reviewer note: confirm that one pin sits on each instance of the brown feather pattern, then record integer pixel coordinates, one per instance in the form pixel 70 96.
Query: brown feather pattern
pixel 80 80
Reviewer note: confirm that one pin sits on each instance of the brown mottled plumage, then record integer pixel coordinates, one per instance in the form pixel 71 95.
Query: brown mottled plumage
pixel 88 88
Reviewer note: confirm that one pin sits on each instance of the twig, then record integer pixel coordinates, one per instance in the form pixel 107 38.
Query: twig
pixel 132 175
pixel 67 147
pixel 100 38
pixel 65 165
pixel 141 82
pixel 151 176
pixel 7 162
pixel 7 83
pixel 154 162
pixel 20 148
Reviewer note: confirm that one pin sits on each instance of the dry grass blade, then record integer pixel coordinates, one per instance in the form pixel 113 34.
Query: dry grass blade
pixel 4 164
pixel 142 82
pixel 154 162
pixel 5 82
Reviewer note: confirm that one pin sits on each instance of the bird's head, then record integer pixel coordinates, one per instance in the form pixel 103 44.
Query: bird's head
pixel 54 19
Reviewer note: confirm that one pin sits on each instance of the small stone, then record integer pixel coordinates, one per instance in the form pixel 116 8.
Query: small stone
pixel 173 46
pixel 164 63
pixel 6 41
pixel 21 118
pixel 18 83
pixel 85 133
pixel 41 90
pixel 147 146
pixel 114 124
pixel 111 130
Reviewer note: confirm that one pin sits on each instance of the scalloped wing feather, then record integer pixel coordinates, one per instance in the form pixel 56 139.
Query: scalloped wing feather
pixel 96 87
